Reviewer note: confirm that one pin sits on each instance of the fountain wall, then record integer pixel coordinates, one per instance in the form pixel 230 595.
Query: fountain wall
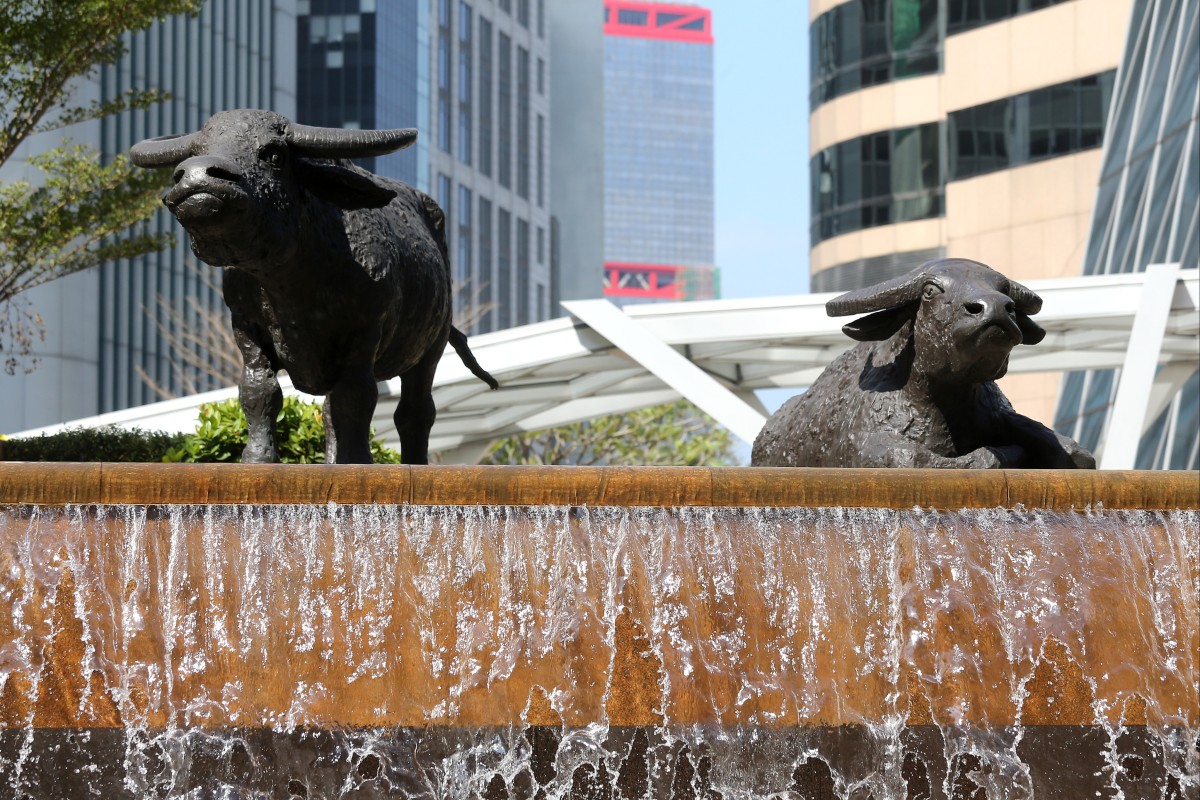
pixel 499 632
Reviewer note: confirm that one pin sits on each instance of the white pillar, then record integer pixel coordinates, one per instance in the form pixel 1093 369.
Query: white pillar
pixel 1128 417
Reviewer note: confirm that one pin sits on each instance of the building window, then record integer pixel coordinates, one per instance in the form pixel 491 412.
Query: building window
pixel 1045 123
pixel 541 24
pixel 504 268
pixel 541 302
pixel 506 6
pixel 483 291
pixel 444 197
pixel 523 270
pixel 523 13
pixel 462 270
pixel 444 55
pixel 867 42
pixel 505 139
pixel 524 140
pixel 541 161
pixel 334 59
pixel 964 15
pixel 465 75
pixel 541 245
pixel 627 16
pixel 486 72
pixel 879 179
pixel 541 76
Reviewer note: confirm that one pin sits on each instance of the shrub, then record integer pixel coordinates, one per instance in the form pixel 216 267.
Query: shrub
pixel 299 435
pixel 672 434
pixel 91 444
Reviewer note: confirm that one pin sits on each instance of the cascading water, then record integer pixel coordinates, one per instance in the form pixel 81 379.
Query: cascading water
pixel 496 652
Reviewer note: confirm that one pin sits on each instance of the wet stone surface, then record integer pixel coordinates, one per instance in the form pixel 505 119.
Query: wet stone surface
pixel 540 763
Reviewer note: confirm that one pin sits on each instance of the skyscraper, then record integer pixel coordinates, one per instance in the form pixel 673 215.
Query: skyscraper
pixel 106 339
pixel 1148 212
pixel 473 78
pixel 958 128
pixel 658 152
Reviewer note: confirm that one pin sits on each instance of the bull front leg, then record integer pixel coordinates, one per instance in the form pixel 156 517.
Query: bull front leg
pixel 348 409
pixel 261 401
pixel 890 450
pixel 1048 449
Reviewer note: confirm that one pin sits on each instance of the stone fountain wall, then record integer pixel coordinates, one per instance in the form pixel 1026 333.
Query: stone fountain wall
pixel 568 632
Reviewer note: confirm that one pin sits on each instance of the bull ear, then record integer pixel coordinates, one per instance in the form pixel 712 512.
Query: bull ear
pixel 343 186
pixel 1031 332
pixel 880 325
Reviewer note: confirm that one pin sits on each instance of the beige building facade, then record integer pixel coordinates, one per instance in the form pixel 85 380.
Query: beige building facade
pixel 936 130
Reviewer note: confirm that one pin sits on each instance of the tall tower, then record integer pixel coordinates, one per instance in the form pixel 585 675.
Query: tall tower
pixel 960 128
pixel 1148 212
pixel 473 77
pixel 658 152
pixel 107 336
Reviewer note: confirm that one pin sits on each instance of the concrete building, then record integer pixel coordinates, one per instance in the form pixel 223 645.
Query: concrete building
pixel 105 343
pixel 658 152
pixel 1148 212
pixel 959 128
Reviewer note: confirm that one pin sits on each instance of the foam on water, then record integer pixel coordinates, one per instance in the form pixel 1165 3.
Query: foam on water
pixel 475 652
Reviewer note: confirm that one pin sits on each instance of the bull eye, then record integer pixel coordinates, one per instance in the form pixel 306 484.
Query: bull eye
pixel 273 154
pixel 931 290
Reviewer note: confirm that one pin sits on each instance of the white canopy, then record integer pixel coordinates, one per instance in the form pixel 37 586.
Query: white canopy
pixel 604 360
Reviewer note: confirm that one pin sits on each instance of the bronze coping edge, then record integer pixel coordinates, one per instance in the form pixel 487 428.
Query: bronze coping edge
pixel 105 483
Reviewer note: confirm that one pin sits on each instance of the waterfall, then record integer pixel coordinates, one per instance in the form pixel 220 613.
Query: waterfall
pixel 496 652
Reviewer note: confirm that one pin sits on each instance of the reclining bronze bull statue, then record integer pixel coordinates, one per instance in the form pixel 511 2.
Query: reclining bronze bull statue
pixel 919 390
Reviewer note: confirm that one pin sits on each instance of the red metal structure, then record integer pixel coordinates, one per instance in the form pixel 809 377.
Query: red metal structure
pixel 659 282
pixel 668 21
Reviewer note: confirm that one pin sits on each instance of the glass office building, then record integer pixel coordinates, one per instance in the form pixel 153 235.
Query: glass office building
pixel 658 152
pixel 959 128
pixel 473 78
pixel 1147 211
pixel 111 334
pixel 359 65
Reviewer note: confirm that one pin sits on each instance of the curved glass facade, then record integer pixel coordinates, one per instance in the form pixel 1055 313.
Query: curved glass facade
pixel 964 15
pixel 879 179
pixel 869 271
pixel 900 175
pixel 868 42
pixel 1147 212
pixel 1045 123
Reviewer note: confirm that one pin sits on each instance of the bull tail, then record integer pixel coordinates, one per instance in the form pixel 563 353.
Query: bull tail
pixel 458 340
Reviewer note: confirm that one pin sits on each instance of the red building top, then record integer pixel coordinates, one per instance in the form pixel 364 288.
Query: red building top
pixel 669 21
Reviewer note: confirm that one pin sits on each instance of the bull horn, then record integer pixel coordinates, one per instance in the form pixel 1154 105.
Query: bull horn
pixel 1026 300
pixel 889 294
pixel 162 151
pixel 341 143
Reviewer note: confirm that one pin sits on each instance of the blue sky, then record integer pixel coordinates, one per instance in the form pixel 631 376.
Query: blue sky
pixel 761 106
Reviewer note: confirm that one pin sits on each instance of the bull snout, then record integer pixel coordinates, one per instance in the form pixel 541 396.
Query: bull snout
pixel 994 309
pixel 203 186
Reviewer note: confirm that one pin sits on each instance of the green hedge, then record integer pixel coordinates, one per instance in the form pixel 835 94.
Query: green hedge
pixel 91 444
pixel 220 437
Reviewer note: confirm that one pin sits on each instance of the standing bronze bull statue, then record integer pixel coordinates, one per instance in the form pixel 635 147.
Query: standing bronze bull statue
pixel 336 275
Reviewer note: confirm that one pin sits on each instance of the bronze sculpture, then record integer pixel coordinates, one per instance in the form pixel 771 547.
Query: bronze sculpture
pixel 336 275
pixel 919 390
